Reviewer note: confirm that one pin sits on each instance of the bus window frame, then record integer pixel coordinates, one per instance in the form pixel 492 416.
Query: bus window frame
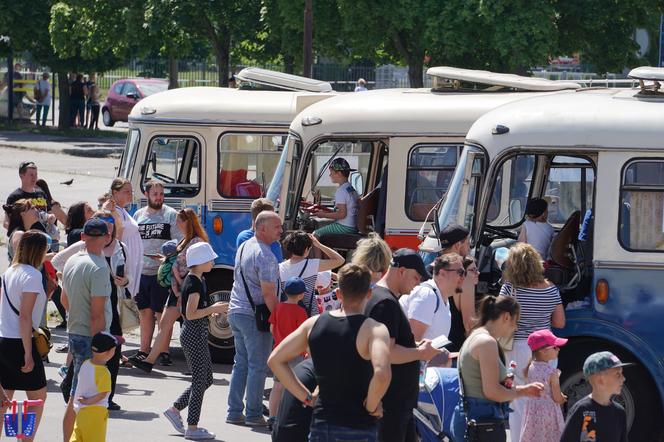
pixel 145 165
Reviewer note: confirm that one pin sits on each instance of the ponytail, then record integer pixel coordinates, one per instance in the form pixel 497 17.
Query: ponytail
pixel 491 307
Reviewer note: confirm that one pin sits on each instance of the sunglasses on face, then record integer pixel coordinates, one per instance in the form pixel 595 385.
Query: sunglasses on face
pixel 460 272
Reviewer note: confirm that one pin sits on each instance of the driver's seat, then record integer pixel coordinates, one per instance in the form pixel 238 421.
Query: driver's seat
pixel 566 238
pixel 366 211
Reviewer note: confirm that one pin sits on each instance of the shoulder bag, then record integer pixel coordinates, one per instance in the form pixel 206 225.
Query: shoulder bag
pixel 127 309
pixel 261 311
pixel 485 429
pixel 42 338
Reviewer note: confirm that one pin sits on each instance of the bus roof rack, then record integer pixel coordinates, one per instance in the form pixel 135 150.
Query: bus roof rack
pixel 281 80
pixel 648 73
pixel 497 80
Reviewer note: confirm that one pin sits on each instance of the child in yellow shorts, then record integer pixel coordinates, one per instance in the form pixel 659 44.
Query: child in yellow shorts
pixel 92 390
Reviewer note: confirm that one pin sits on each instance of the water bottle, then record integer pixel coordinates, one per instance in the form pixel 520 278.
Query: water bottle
pixel 423 371
pixel 509 379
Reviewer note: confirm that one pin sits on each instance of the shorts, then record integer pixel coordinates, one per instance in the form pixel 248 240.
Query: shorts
pixel 151 294
pixel 80 348
pixel 292 364
pixel 335 229
pixel 172 300
pixel 90 424
pixel 11 376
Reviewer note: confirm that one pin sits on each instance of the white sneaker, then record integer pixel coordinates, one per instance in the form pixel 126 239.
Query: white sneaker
pixel 175 419
pixel 198 433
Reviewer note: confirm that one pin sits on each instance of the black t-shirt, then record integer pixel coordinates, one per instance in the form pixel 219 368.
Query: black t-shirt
pixel 192 284
pixel 292 415
pixel 74 236
pixel 77 90
pixel 589 421
pixel 384 307
pixel 38 198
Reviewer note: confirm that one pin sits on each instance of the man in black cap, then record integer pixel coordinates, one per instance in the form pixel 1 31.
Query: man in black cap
pixel 406 271
pixel 454 239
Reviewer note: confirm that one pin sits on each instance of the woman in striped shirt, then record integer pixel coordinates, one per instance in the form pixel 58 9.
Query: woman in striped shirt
pixel 541 308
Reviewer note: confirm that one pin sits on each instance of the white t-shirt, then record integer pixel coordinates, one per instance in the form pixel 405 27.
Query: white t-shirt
pixel 20 279
pixel 288 270
pixel 345 194
pixel 539 235
pixel 132 239
pixel 45 88
pixel 421 305
pixel 92 380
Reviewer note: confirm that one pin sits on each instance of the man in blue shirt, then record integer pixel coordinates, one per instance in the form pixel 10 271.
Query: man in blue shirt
pixel 260 205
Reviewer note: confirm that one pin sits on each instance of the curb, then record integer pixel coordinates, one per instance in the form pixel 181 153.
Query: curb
pixel 92 152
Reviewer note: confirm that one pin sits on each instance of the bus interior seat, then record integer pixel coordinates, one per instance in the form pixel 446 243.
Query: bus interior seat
pixel 366 213
pixel 568 236
pixel 234 183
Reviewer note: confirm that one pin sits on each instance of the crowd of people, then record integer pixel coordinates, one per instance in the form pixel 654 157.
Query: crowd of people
pixel 346 338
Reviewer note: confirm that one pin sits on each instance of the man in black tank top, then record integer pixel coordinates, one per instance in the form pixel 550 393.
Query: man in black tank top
pixel 405 272
pixel 350 354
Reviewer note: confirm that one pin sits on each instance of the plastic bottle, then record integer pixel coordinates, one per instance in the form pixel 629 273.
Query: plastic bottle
pixel 509 379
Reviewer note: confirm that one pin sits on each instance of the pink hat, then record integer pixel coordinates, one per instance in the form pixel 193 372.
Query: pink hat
pixel 544 338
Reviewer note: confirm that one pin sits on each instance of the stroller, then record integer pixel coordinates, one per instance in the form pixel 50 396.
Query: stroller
pixel 439 395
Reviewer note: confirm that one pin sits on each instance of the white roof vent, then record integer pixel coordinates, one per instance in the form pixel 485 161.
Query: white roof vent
pixel 493 79
pixel 650 74
pixel 280 80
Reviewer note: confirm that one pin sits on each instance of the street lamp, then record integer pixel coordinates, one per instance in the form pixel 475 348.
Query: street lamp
pixel 5 39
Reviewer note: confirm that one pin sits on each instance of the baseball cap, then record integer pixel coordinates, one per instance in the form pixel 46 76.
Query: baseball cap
pixel 340 165
pixel 95 227
pixel 452 234
pixel 544 338
pixel 409 259
pixel 200 253
pixel 169 247
pixel 102 342
pixel 603 360
pixel 536 207
pixel 295 286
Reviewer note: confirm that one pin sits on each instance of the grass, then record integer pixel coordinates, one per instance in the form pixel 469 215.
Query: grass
pixel 54 131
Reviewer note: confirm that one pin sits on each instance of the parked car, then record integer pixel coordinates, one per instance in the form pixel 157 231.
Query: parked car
pixel 125 93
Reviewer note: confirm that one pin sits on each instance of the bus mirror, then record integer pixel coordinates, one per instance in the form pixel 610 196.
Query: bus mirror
pixel 357 182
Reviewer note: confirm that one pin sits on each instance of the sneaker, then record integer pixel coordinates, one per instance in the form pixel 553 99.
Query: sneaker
pixel 112 406
pixel 140 364
pixel 198 433
pixel 256 422
pixel 165 360
pixel 235 420
pixel 140 355
pixel 175 419
pixel 62 371
pixel 62 349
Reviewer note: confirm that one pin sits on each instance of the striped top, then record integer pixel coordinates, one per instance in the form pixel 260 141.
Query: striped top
pixel 309 274
pixel 537 306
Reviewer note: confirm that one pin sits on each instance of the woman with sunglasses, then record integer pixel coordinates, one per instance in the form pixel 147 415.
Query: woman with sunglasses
pixel 23 216
pixel 541 308
pixel 190 226
pixel 462 306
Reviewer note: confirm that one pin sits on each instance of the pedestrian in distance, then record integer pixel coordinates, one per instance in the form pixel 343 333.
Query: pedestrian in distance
pixel 284 320
pixel 361 85
pixel 483 376
pixel 93 388
pixel 405 272
pixel 43 97
pixel 196 307
pixel 21 309
pixel 542 417
pixel 86 281
pixel 350 353
pixel 93 106
pixel 156 225
pixel 598 416
pixel 255 288
pixel 77 96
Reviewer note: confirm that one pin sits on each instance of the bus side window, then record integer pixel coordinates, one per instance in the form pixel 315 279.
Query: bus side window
pixel 641 222
pixel 175 161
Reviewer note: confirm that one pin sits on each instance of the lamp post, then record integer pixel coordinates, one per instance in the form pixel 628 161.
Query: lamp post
pixel 10 77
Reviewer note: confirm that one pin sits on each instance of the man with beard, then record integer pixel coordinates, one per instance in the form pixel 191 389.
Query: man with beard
pixel 427 307
pixel 156 225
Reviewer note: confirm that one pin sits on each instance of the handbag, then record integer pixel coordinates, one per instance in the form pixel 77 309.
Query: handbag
pixel 507 344
pixel 261 311
pixel 41 337
pixel 485 429
pixel 128 312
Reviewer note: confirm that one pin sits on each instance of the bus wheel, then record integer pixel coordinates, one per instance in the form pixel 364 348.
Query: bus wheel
pixel 220 338
pixel 639 395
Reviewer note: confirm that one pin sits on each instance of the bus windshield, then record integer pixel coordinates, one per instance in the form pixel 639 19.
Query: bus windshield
pixel 461 199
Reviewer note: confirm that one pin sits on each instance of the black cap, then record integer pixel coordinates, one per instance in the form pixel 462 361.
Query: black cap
pixel 409 259
pixel 340 165
pixel 536 207
pixel 452 234
pixel 102 342
pixel 95 227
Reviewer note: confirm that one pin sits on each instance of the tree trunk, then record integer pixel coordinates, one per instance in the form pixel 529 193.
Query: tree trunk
pixel 172 73
pixel 64 117
pixel 415 68
pixel 222 54
pixel 289 64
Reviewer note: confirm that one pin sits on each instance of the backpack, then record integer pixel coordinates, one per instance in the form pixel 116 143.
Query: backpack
pixel 165 272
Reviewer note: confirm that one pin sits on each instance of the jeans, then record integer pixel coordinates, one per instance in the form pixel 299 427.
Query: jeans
pixel 252 348
pixel 40 108
pixel 477 409
pixel 80 348
pixel 324 432
pixel 397 426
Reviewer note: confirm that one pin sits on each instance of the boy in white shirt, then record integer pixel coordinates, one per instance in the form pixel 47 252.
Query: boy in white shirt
pixel 536 230
pixel 345 202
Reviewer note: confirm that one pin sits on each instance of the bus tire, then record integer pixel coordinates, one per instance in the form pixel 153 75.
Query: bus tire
pixel 220 337
pixel 639 396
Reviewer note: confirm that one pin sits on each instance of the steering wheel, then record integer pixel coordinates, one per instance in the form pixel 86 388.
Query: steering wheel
pixel 498 232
